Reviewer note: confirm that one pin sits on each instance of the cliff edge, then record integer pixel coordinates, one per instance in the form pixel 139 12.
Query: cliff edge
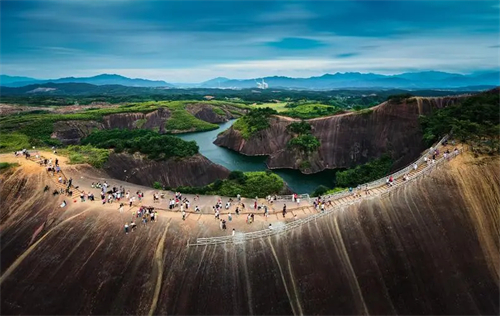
pixel 346 139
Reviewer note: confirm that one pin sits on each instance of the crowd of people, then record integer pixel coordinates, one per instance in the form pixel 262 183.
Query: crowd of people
pixel 110 194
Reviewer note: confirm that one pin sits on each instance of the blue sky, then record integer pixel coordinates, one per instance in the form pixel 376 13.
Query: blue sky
pixel 192 41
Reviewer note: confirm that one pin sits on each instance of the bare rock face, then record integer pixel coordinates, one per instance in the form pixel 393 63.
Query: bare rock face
pixel 206 112
pixel 153 121
pixel 191 171
pixel 71 132
pixel 429 247
pixel 346 139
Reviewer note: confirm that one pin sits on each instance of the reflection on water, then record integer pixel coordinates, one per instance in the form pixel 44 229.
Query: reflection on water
pixel 234 161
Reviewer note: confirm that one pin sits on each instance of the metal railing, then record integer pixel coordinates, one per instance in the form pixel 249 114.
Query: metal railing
pixel 396 174
pixel 242 237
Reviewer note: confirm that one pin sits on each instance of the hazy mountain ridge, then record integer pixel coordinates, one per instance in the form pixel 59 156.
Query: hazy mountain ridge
pixel 352 80
pixel 103 79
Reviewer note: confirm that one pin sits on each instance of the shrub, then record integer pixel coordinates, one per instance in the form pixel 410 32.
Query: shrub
pixel 370 171
pixel 396 98
pixel 254 121
pixel 157 185
pixel 238 176
pixel 308 111
pixel 320 190
pixel 306 143
pixel 154 145
pixel 7 165
pixel 258 183
pixel 301 127
pixel 474 118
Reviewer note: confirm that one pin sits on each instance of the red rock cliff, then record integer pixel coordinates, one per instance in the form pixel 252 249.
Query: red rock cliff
pixel 347 139
pixel 191 171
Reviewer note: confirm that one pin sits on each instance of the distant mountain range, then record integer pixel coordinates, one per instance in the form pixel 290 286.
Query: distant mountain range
pixel 104 79
pixel 348 80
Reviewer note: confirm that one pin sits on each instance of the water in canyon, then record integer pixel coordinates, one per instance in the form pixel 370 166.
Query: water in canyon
pixel 298 182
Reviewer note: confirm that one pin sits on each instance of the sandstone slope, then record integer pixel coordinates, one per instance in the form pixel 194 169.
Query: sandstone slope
pixel 430 247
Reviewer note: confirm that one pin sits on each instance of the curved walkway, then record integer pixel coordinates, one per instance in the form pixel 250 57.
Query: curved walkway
pixel 340 201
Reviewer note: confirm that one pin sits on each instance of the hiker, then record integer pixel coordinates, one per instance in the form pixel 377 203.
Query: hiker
pixel 196 208
pixel 229 217
pixel 270 226
pixel 239 197
pixel 237 211
pixel 183 215
pixel 295 217
pixel 415 166
pixel 234 231
pixel 121 208
pixel 132 226
pixel 284 210
pixel 57 162
pixel 126 228
pixel 224 225
pixel 82 197
pixel 63 204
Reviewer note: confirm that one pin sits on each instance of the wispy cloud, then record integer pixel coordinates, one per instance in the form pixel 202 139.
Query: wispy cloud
pixel 346 55
pixel 196 40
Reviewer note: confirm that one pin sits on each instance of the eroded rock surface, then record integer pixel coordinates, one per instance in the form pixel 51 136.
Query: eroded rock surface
pixel 347 139
pixel 190 171
pixel 429 247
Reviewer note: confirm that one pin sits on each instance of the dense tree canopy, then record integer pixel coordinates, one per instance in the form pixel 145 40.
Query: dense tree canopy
pixel 152 144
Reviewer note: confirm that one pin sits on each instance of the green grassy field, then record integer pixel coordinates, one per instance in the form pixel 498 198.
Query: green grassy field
pixel 280 107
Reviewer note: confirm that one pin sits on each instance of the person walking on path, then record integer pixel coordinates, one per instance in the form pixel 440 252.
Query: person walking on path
pixel 284 210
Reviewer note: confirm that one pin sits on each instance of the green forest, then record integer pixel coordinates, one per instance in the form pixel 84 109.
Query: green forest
pixel 247 184
pixel 475 120
pixel 152 144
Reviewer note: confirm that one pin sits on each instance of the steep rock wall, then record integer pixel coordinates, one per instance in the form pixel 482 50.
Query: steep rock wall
pixel 346 139
pixel 71 132
pixel 191 171
pixel 207 113
pixel 429 248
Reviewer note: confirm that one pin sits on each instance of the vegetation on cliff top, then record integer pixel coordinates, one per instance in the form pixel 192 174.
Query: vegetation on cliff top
pixel 474 120
pixel 152 144
pixel 247 184
pixel 95 157
pixel 7 165
pixel 38 127
pixel 13 142
pixel 367 172
pixel 254 121
pixel 313 110
pixel 303 140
